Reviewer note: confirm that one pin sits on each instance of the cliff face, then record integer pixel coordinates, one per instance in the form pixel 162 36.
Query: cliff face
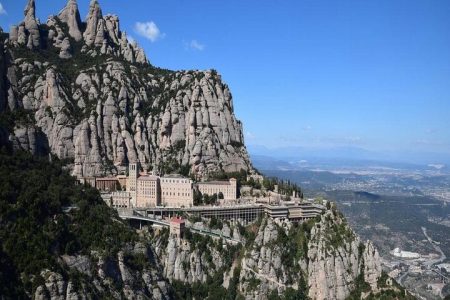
pixel 182 261
pixel 83 92
pixel 321 259
pixel 111 278
pixel 337 257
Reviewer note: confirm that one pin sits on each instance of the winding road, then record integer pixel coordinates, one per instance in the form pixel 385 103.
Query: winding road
pixel 432 262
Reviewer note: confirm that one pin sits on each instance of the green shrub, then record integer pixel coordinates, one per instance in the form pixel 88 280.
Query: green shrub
pixel 35 230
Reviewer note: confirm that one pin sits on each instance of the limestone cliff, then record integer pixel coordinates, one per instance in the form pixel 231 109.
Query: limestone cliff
pixel 88 95
pixel 336 257
pixel 110 278
pixel 195 258
pixel 319 259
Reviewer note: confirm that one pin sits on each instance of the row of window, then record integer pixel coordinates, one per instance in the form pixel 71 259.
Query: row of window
pixel 174 180
pixel 216 191
pixel 150 193
pixel 147 183
pixel 176 194
pixel 176 189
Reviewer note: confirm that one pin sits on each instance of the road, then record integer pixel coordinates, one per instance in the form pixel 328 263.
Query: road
pixel 432 262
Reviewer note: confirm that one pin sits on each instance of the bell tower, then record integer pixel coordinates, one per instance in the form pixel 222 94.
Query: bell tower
pixel 133 170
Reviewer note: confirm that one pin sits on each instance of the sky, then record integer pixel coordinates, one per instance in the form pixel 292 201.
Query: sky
pixel 312 73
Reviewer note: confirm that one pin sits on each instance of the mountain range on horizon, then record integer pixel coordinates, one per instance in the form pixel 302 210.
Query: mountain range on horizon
pixel 348 154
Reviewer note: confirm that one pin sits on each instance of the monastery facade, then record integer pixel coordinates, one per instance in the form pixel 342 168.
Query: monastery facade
pixel 227 188
pixel 151 190
pixel 141 189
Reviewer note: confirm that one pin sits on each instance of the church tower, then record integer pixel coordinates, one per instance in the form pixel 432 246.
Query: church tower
pixel 133 170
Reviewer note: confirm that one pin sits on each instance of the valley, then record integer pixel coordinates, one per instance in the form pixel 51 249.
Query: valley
pixel 395 207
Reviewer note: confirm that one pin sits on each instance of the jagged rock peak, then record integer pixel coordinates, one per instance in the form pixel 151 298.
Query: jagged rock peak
pixel 92 19
pixel 30 9
pixel 81 117
pixel 31 25
pixel 71 16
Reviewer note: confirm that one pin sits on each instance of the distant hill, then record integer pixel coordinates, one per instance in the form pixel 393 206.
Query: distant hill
pixel 349 155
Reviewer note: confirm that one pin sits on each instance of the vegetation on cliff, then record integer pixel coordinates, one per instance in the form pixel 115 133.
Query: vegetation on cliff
pixel 44 215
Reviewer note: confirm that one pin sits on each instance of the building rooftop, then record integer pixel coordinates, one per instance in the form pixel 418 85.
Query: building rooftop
pixel 174 176
pixel 148 178
pixel 220 182
pixel 105 178
pixel 177 220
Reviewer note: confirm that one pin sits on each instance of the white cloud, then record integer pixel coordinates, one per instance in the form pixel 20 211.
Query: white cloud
pixel 2 10
pixel 149 30
pixel 194 44
pixel 307 128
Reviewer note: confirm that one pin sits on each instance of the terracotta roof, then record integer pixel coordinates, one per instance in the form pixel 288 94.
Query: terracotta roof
pixel 177 220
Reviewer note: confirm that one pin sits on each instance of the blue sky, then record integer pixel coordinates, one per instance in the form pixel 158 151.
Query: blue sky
pixel 370 74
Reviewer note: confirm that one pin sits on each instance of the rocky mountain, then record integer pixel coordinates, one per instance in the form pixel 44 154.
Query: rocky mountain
pixel 319 259
pixel 59 240
pixel 83 95
pixel 83 92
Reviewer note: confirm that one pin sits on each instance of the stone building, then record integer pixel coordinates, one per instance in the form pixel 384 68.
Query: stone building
pixel 103 184
pixel 107 184
pixel 227 188
pixel 120 199
pixel 133 170
pixel 176 191
pixel 148 191
pixel 177 226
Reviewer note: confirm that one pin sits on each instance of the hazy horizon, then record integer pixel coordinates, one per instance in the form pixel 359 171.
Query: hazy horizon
pixel 348 154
